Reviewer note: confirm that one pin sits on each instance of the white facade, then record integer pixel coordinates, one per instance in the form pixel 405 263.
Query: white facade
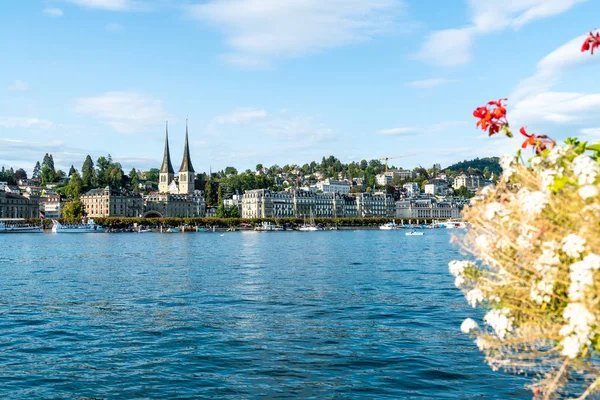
pixel 412 189
pixel 427 209
pixel 387 177
pixel 331 186
pixel 471 182
pixel 436 188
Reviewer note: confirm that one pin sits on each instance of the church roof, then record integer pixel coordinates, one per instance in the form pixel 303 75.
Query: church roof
pixel 166 164
pixel 186 163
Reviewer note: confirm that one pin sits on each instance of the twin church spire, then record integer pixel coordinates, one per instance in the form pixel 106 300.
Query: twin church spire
pixel 186 171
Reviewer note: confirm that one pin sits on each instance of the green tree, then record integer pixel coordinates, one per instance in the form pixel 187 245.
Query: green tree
pixel 222 212
pixel 234 212
pixel 88 173
pixel 59 175
pixel 75 186
pixel 209 194
pixel 135 180
pixel 102 163
pixel 230 171
pixel 259 167
pixel 37 170
pixel 48 174
pixel 20 174
pixel 153 174
pixel 219 195
pixel 72 170
pixel 74 209
pixel 114 176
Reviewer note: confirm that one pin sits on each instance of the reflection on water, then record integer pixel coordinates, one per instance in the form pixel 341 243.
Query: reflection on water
pixel 363 314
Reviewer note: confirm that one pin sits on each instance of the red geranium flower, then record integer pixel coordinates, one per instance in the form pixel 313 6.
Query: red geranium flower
pixel 492 117
pixel 591 42
pixel 538 142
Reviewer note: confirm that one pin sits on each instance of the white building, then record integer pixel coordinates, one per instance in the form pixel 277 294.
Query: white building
pixel 471 182
pixel 331 186
pixel 427 209
pixel 374 205
pixel 436 187
pixel 412 189
pixel 387 177
pixel 264 203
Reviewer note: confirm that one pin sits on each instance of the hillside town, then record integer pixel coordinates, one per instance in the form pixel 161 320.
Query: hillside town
pixel 326 190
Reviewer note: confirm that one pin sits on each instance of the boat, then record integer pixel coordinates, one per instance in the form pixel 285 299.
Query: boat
pixel 144 230
pixel 85 227
pixel 311 226
pixel 414 233
pixel 268 227
pixel 389 226
pixel 18 226
pixel 453 224
pixel 173 230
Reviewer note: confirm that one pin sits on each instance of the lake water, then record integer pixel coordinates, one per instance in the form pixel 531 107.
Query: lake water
pixel 339 314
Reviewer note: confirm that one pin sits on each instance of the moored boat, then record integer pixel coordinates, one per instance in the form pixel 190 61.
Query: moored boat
pixel 85 227
pixel 389 226
pixel 18 226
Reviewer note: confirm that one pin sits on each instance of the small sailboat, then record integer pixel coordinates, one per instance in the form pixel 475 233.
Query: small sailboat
pixel 311 226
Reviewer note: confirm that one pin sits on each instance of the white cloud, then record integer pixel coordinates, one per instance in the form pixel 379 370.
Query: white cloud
pixel 535 102
pixel 259 31
pixel 20 122
pixel 591 132
pixel 18 86
pixel 240 116
pixel 551 67
pixel 397 131
pixel 297 127
pixel 452 47
pixel 112 5
pixel 53 12
pixel 113 27
pixel 429 83
pixel 126 112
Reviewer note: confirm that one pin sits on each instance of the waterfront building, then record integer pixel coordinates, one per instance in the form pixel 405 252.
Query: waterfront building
pixel 163 205
pixel 265 203
pixel 15 205
pixel 436 187
pixel 108 202
pixel 235 201
pixel 374 205
pixel 427 209
pixel 331 186
pixel 176 196
pixel 471 182
pixel 51 206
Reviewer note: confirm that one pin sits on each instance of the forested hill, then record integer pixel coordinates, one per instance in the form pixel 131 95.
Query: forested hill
pixel 491 163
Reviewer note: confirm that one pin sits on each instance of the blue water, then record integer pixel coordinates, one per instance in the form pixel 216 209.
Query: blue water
pixel 341 314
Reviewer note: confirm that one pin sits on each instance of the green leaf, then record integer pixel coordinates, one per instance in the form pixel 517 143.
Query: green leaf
pixel 593 147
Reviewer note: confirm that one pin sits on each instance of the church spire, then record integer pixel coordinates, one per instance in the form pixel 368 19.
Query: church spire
pixel 186 163
pixel 166 167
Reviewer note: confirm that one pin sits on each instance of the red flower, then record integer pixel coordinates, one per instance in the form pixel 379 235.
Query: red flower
pixel 538 142
pixel 492 117
pixel 591 42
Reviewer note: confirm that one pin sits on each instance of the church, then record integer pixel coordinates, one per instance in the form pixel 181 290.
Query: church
pixel 176 196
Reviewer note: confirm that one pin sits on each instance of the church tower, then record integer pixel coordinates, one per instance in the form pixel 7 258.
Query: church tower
pixel 186 172
pixel 167 174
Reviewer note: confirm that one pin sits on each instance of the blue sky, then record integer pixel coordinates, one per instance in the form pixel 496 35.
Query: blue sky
pixel 288 81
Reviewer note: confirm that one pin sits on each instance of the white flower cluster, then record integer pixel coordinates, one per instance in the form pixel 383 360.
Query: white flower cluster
pixel 548 176
pixel 526 235
pixel 500 321
pixel 532 203
pixel 493 209
pixel 585 169
pixel 508 162
pixel 587 191
pixel 457 268
pixel 582 275
pixel 468 325
pixel 557 153
pixel 541 291
pixel 474 296
pixel 573 245
pixel 578 332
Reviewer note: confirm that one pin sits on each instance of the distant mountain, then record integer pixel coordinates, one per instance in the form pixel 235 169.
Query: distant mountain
pixel 491 163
